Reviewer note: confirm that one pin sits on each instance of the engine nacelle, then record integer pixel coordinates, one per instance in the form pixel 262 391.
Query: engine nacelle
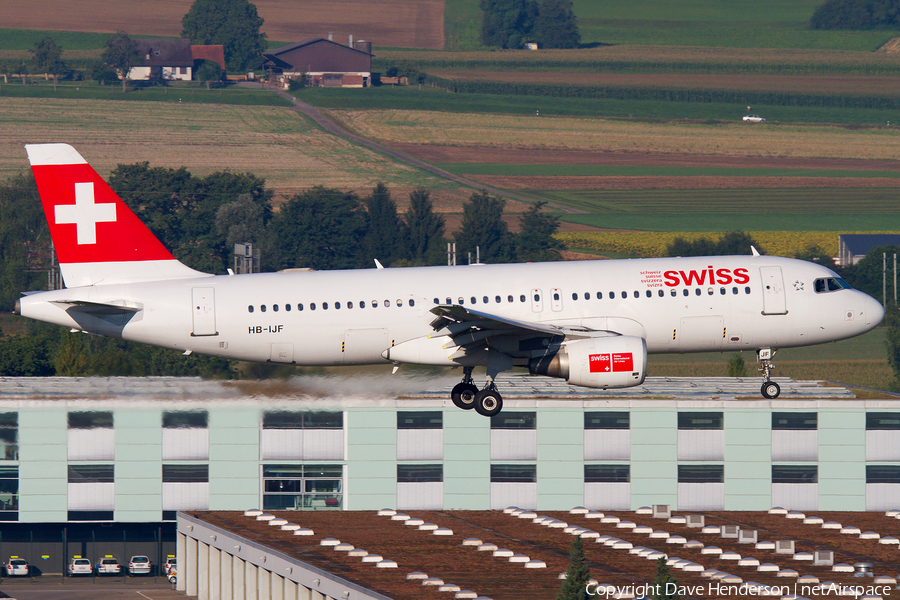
pixel 611 362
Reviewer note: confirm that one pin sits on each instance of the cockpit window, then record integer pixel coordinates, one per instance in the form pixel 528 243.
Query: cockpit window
pixel 831 284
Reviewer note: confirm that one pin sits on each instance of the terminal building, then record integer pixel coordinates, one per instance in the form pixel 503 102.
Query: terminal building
pixel 138 451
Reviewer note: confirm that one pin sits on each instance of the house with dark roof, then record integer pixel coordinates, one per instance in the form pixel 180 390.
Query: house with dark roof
pixel 853 247
pixel 322 62
pixel 164 59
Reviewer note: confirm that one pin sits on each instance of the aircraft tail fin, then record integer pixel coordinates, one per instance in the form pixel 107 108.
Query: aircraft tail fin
pixel 97 238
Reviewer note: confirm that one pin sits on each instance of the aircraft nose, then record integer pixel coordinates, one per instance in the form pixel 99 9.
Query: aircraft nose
pixel 872 311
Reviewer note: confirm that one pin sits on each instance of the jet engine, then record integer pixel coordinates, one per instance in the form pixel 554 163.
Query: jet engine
pixel 609 362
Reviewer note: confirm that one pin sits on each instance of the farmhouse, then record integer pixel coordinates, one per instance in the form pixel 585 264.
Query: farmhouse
pixel 323 62
pixel 168 59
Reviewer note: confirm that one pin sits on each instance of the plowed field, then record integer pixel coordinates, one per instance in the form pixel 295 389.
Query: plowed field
pixel 397 23
pixel 551 182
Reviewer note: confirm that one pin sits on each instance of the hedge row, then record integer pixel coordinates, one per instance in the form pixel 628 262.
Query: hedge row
pixel 667 94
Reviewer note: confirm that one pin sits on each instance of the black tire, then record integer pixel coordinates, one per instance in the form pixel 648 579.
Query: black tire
pixel 463 395
pixel 488 403
pixel 770 390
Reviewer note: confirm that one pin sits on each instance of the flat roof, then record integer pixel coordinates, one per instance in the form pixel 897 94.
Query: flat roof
pixel 447 558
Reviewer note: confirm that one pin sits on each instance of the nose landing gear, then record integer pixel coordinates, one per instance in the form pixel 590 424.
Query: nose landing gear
pixel 769 389
pixel 466 395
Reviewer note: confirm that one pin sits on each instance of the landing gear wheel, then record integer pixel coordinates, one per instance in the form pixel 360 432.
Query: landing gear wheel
pixel 463 395
pixel 488 403
pixel 770 390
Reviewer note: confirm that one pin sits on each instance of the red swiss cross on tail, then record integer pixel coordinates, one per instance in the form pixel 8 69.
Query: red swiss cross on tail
pixel 96 236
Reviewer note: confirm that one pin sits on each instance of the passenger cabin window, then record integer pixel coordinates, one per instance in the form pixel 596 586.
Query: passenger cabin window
pixel 337 306
pixel 300 307
pixel 287 307
pixel 324 306
pixel 387 303
pixel 250 308
pixel 830 284
pixel 574 296
pixel 262 308
pixel 522 298
pixel 599 295
pixel 362 303
pixel 274 308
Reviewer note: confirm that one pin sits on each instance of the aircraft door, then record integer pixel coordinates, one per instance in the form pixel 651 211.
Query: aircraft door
pixel 537 303
pixel 204 307
pixel 773 291
pixel 557 303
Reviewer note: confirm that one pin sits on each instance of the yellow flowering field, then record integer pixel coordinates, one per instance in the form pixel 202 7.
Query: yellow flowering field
pixel 653 243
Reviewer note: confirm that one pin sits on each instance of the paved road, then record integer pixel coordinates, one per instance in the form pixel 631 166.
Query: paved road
pixel 53 588
pixel 313 113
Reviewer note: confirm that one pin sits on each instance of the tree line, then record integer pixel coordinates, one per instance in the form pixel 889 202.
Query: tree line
pixel 856 14
pixel 513 23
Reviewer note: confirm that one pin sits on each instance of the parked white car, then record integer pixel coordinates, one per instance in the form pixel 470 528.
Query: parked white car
pixel 79 566
pixel 754 119
pixel 17 567
pixel 108 566
pixel 139 565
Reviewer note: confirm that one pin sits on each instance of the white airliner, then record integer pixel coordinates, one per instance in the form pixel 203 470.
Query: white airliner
pixel 592 323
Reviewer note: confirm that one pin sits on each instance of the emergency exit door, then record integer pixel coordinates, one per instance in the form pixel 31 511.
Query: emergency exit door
pixel 773 291
pixel 204 307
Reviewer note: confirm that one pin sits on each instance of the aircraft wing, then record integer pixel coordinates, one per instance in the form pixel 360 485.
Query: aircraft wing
pixel 465 326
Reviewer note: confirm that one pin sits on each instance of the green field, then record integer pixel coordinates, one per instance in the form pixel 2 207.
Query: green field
pixel 175 94
pixel 859 361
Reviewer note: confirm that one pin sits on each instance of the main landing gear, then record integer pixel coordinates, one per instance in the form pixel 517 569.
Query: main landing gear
pixel 466 395
pixel 769 388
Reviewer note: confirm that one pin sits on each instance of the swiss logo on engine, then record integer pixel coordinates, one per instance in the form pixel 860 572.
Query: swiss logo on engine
pixel 616 362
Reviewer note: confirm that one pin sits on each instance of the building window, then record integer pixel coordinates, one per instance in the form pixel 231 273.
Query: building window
pixel 185 435
pixel 794 421
pixel 9 436
pixel 9 493
pixel 91 473
pixel 514 420
pixel 875 421
pixel 185 419
pixel 420 473
pixel 513 473
pixel 701 473
pixel 90 420
pixel 882 473
pixel 185 473
pixel 700 420
pixel 795 474
pixel 303 420
pixel 424 419
pixel 607 420
pixel 607 474
pixel 90 515
pixel 90 436
pixel 299 487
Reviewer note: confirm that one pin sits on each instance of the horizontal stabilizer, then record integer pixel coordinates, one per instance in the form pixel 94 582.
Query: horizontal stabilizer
pixel 100 308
